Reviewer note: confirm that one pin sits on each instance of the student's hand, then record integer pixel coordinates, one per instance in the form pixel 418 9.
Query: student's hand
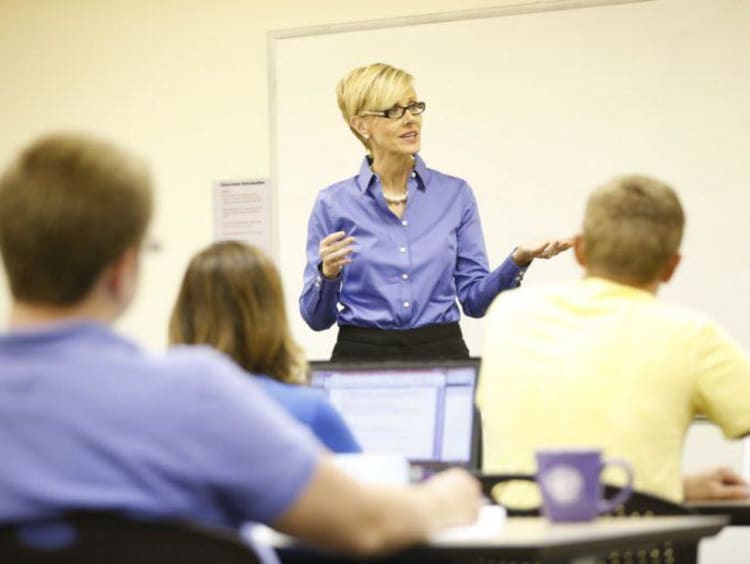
pixel 338 512
pixel 456 495
pixel 524 254
pixel 334 252
pixel 719 483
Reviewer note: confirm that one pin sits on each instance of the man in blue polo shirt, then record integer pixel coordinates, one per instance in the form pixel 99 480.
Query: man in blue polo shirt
pixel 90 421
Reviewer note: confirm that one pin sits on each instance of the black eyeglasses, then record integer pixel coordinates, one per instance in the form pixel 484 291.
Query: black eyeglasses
pixel 397 112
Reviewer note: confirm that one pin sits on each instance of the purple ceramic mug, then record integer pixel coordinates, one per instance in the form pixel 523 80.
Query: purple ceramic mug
pixel 570 485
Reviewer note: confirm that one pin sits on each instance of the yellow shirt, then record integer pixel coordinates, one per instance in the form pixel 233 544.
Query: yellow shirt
pixel 595 363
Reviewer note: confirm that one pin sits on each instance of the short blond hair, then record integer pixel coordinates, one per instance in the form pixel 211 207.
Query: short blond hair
pixel 70 205
pixel 633 225
pixel 373 87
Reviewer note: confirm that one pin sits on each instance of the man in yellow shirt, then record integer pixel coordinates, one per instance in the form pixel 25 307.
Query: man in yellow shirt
pixel 600 362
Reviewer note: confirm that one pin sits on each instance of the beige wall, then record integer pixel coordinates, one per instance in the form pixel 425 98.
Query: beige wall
pixel 182 82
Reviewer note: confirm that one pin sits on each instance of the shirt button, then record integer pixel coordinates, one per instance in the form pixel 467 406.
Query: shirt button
pixel 406 304
pixel 405 276
pixel 413 174
pixel 404 223
pixel 402 249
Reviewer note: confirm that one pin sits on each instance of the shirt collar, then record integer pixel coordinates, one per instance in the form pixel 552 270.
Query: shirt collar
pixel 365 176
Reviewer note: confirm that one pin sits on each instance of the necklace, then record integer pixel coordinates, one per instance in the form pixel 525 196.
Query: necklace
pixel 395 200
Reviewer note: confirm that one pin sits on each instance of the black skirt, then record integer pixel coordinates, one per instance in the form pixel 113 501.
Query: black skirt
pixel 432 342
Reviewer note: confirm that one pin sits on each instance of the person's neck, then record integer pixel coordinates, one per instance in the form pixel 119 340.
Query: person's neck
pixel 28 315
pixel 651 287
pixel 393 171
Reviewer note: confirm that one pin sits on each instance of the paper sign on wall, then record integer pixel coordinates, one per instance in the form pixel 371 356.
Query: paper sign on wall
pixel 242 212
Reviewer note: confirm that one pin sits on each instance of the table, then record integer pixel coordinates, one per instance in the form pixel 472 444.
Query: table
pixel 536 539
pixel 737 511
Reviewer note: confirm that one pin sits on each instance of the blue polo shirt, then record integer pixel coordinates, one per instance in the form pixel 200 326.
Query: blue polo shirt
pixel 89 421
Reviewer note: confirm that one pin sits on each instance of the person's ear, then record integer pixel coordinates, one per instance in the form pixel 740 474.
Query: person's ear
pixel 122 276
pixel 359 124
pixel 579 247
pixel 670 267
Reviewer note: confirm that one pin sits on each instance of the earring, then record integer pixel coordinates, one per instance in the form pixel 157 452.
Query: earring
pixel 365 136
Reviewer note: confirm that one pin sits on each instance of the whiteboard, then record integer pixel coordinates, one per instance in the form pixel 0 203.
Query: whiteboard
pixel 535 109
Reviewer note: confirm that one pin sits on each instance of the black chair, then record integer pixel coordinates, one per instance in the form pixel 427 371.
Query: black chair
pixel 104 538
pixel 640 504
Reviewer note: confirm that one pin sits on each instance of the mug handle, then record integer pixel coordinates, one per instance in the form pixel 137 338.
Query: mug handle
pixel 607 505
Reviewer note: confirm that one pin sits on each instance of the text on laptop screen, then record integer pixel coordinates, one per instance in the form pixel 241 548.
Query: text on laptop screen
pixel 425 414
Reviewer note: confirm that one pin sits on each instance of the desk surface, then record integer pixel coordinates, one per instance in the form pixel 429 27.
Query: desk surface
pixel 538 539
pixel 738 511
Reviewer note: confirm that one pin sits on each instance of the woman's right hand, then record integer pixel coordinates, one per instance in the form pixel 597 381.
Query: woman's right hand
pixel 335 251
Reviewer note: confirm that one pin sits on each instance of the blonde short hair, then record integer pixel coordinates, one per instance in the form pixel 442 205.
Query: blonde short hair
pixel 373 87
pixel 70 205
pixel 633 225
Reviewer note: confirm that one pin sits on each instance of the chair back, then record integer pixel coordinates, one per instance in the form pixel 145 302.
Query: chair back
pixel 104 538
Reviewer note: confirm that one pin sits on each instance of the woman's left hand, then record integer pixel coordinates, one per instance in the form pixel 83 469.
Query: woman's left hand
pixel 524 254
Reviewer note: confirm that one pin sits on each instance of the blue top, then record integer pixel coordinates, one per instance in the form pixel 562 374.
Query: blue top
pixel 312 408
pixel 405 273
pixel 89 421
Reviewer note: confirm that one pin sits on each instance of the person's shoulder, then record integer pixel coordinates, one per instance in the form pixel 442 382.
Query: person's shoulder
pixel 451 188
pixel 664 319
pixel 190 359
pixel 313 397
pixel 447 181
pixel 345 185
pixel 200 371
pixel 688 319
pixel 310 406
pixel 330 197
pixel 299 396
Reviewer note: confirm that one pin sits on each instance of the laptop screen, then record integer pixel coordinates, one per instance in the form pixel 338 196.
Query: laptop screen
pixel 423 411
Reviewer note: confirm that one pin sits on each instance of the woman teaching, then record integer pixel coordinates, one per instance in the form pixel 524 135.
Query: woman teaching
pixel 391 250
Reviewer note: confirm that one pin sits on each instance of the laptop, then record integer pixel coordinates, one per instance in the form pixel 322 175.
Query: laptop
pixel 423 411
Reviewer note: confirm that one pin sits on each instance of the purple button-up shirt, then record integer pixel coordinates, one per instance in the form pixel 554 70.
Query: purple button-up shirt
pixel 405 273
